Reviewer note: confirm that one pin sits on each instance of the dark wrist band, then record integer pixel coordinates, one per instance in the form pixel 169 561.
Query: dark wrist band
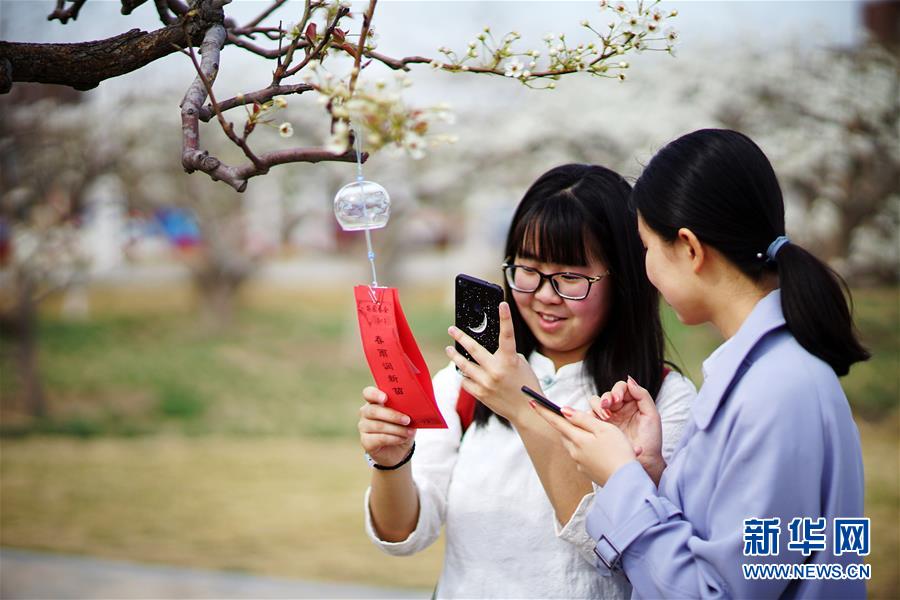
pixel 375 465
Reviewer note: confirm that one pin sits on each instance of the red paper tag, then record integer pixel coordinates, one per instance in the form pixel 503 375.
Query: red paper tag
pixel 394 357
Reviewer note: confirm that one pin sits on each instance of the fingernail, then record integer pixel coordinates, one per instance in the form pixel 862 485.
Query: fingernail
pixel 631 380
pixel 405 420
pixel 448 349
pixel 567 411
pixel 604 403
pixel 383 397
pixel 532 404
pixel 410 432
pixel 452 330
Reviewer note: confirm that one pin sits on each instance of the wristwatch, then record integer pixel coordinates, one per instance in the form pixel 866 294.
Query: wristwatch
pixel 375 465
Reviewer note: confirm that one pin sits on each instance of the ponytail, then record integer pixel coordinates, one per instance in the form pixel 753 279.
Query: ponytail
pixel 721 186
pixel 814 299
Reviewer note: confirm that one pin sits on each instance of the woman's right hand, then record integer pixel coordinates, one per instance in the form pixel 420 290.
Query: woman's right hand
pixel 630 407
pixel 383 431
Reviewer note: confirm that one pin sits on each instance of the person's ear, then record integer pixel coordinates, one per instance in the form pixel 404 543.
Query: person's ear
pixel 692 248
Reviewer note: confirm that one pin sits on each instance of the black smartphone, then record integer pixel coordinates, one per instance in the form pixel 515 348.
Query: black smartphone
pixel 541 400
pixel 477 306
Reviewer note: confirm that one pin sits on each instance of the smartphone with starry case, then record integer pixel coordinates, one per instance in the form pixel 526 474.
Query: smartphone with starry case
pixel 477 306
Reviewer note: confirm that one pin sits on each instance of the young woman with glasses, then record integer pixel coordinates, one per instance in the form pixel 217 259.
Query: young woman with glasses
pixel 582 315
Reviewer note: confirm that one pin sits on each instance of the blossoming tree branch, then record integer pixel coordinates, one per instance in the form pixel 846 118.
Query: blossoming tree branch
pixel 307 58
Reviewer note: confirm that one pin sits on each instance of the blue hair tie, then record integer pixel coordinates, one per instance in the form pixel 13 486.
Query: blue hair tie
pixel 775 246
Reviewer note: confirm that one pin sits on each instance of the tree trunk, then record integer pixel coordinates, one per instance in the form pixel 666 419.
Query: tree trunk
pixel 21 325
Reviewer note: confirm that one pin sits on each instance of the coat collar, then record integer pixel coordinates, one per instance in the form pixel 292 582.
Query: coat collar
pixel 732 361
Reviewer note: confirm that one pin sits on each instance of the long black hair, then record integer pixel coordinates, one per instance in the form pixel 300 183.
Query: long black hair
pixel 720 185
pixel 569 215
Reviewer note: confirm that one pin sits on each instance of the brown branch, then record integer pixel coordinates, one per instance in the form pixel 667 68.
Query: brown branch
pixel 273 33
pixel 259 50
pixel 178 7
pixel 272 8
pixel 207 112
pixel 130 5
pixel 278 74
pixel 84 65
pixel 165 15
pixel 398 64
pixel 401 64
pixel 363 34
pixel 320 47
pixel 292 155
pixel 64 14
pixel 193 159
pixel 212 46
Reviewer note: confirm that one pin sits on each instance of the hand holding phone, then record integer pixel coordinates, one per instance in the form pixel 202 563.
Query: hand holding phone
pixel 541 400
pixel 477 312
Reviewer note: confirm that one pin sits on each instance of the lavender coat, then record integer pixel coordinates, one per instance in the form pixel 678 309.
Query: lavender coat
pixel 771 436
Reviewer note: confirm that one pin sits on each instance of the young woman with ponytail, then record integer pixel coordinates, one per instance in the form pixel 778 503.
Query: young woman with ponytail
pixel 771 438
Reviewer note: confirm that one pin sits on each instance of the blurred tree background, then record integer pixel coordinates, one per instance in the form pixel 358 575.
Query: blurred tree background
pixel 180 367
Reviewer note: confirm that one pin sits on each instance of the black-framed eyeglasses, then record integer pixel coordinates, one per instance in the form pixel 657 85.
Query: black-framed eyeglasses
pixel 571 286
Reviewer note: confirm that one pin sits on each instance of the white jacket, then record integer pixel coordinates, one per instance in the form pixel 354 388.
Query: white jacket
pixel 503 539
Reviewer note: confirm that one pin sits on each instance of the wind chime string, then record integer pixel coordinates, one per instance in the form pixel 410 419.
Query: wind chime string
pixel 357 137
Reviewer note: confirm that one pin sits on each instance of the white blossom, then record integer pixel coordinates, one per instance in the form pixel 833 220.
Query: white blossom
pixel 513 69
pixel 339 142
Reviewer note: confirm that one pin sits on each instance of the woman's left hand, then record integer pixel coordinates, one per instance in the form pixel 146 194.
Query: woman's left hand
pixel 497 379
pixel 598 448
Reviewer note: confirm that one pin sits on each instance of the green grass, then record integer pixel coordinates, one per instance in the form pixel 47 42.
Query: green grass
pixel 269 373
pixel 300 372
pixel 285 507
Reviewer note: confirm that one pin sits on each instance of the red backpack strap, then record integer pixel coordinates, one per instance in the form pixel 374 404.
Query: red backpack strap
pixel 666 371
pixel 465 408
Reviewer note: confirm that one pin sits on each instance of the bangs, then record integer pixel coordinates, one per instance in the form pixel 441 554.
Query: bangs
pixel 556 231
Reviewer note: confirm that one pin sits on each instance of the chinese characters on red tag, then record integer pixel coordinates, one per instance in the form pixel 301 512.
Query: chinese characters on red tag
pixel 394 357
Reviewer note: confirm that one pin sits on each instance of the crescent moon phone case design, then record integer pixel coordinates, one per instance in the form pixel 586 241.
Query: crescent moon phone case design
pixel 477 306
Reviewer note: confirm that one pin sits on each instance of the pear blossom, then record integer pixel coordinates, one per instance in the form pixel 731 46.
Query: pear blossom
pixel 415 146
pixel 513 69
pixel 339 142
pixel 286 130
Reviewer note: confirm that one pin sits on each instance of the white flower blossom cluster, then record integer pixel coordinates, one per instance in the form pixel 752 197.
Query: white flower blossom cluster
pixel 379 111
pixel 639 28
pixel 263 113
